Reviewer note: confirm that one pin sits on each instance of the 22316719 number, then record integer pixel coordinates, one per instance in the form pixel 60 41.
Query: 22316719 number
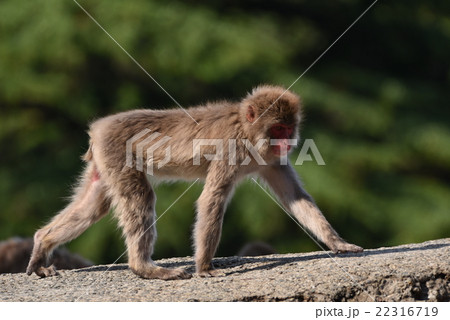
pixel 407 311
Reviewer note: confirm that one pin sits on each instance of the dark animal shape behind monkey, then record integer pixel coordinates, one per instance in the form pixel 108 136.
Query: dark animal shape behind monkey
pixel 242 129
pixel 15 254
pixel 257 248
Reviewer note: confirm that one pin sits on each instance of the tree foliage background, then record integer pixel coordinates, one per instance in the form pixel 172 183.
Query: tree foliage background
pixel 376 105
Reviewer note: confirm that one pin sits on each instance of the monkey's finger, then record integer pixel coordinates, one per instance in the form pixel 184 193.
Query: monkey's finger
pixel 32 267
pixel 347 247
pixel 29 271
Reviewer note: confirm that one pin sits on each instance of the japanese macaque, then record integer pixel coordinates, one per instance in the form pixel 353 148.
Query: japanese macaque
pixel 227 142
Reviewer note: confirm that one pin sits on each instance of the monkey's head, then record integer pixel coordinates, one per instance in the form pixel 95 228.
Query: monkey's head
pixel 272 112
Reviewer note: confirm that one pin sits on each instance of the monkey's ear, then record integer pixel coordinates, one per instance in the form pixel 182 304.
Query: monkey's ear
pixel 251 114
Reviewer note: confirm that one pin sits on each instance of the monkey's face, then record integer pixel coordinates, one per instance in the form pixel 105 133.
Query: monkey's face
pixel 281 133
pixel 274 114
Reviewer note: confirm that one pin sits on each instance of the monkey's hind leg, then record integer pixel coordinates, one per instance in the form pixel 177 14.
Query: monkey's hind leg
pixel 88 205
pixel 134 201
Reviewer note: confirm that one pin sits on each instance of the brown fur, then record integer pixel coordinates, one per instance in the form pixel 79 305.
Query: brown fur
pixel 107 182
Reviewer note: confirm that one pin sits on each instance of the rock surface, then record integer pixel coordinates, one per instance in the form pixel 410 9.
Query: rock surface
pixel 413 272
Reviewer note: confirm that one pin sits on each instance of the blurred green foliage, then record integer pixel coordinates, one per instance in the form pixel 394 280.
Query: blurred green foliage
pixel 376 105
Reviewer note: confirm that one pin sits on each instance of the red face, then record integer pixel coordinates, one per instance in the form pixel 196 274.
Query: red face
pixel 282 133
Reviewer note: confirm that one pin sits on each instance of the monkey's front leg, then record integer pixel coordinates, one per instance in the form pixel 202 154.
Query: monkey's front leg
pixel 208 227
pixel 284 182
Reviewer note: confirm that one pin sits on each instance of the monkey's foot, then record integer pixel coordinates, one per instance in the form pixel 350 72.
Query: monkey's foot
pixel 342 247
pixel 154 272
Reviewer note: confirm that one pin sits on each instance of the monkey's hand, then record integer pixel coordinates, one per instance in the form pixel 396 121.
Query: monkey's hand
pixel 208 272
pixel 41 271
pixel 342 246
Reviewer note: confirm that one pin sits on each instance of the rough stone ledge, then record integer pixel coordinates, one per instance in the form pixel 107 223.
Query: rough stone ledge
pixel 413 272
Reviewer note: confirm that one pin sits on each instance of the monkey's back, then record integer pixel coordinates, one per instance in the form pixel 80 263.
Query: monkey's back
pixel 112 133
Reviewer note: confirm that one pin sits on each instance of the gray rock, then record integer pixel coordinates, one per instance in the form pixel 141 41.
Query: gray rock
pixel 413 272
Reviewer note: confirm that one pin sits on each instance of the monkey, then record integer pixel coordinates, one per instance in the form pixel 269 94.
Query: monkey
pixel 250 137
pixel 15 254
